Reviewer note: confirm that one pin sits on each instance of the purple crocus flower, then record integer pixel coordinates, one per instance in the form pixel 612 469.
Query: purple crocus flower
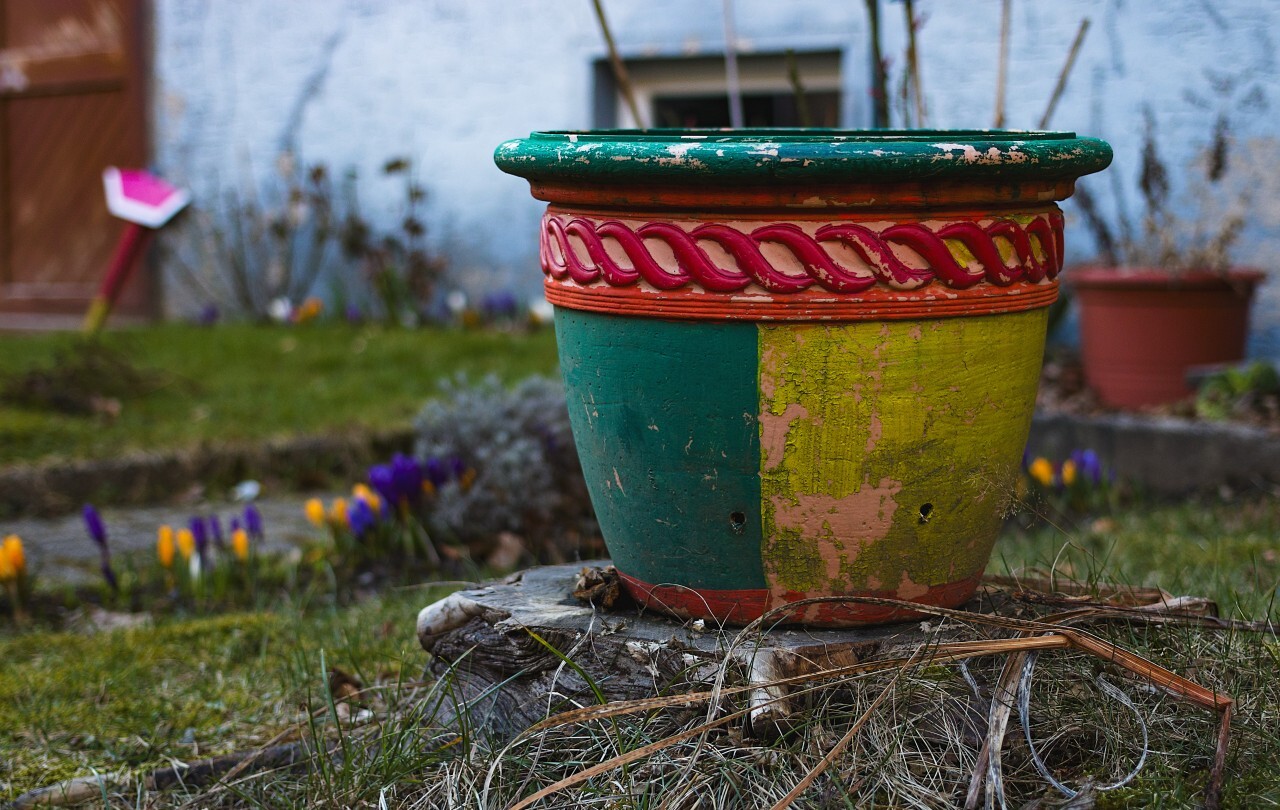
pixel 198 531
pixel 215 531
pixel 457 466
pixel 354 315
pixel 360 517
pixel 383 480
pixel 235 525
pixel 98 533
pixel 208 315
pixel 500 305
pixel 437 472
pixel 1090 466
pixel 93 522
pixel 253 521
pixel 406 477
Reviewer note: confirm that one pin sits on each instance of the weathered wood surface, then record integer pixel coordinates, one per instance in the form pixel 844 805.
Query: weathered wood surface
pixel 487 641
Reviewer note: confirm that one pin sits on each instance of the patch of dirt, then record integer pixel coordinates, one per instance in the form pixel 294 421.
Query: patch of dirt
pixel 1063 390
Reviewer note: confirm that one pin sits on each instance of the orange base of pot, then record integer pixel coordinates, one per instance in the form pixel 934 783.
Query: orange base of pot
pixel 740 607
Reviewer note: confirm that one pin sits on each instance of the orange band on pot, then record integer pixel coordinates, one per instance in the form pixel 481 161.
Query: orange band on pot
pixel 876 304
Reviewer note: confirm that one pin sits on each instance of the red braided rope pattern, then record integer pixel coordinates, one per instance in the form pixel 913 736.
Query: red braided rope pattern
pixel 693 266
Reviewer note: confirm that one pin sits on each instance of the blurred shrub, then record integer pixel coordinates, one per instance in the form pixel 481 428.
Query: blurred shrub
pixel 527 477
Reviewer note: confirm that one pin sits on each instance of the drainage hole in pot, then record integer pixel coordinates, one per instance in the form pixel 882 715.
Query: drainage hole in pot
pixel 926 512
pixel 738 521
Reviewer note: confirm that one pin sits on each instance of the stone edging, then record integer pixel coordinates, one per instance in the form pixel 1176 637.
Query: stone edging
pixel 1163 455
pixel 55 487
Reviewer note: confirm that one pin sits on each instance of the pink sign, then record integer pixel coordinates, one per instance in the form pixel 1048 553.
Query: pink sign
pixel 142 198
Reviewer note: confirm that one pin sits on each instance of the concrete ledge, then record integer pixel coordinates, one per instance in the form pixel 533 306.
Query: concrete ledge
pixel 54 487
pixel 1164 455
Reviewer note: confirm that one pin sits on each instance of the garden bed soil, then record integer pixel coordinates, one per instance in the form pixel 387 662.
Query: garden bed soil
pixel 1063 392
pixel 1166 451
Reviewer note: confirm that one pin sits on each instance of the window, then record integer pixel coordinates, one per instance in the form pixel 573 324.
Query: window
pixel 691 92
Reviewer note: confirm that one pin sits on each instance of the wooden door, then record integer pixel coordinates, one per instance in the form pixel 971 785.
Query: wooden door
pixel 71 103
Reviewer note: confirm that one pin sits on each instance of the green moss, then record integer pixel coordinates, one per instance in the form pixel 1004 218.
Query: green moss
pixel 131 700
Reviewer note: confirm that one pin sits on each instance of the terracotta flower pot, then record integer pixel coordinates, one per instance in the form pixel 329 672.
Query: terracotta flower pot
pixel 1141 329
pixel 800 363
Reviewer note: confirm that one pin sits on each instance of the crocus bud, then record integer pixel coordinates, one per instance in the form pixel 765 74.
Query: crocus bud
pixel 215 531
pixel 240 544
pixel 13 553
pixel 165 546
pixel 196 524
pixel 406 475
pixel 253 521
pixel 314 510
pixel 186 543
pixel 361 517
pixel 383 481
pixel 93 522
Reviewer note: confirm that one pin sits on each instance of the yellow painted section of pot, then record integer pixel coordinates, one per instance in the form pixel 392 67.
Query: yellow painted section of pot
pixel 890 451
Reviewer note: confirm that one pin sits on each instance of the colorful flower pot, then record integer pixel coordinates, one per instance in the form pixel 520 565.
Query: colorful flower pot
pixel 800 363
pixel 1142 329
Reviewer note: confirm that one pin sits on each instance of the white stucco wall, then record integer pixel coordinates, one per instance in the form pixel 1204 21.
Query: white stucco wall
pixel 353 82
pixel 1188 60
pixel 444 82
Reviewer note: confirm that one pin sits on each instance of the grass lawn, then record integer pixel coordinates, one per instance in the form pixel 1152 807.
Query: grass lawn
pixel 72 704
pixel 242 382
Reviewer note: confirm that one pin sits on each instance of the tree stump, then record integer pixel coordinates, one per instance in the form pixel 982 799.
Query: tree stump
pixel 518 650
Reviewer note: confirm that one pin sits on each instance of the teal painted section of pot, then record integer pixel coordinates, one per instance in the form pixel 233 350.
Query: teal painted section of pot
pixel 664 416
pixel 799 156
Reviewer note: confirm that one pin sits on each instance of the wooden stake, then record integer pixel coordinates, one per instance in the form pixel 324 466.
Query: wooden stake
pixel 619 69
pixel 1065 74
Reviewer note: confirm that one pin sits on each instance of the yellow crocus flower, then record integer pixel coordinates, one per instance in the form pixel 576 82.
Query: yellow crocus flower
pixel 186 543
pixel 1041 471
pixel 314 510
pixel 12 551
pixel 1068 472
pixel 240 544
pixel 165 546
pixel 6 569
pixel 338 512
pixel 364 493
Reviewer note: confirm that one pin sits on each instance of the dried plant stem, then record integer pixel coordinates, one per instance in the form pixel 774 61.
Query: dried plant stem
pixel 1065 73
pixel 840 746
pixel 619 68
pixel 797 90
pixel 879 80
pixel 731 68
pixel 1002 63
pixel 1051 632
pixel 913 61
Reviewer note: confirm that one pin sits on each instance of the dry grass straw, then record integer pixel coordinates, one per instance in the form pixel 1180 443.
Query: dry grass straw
pixel 897 760
pixel 925 726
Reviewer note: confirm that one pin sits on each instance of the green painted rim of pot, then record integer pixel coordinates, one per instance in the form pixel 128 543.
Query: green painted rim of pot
pixel 784 156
